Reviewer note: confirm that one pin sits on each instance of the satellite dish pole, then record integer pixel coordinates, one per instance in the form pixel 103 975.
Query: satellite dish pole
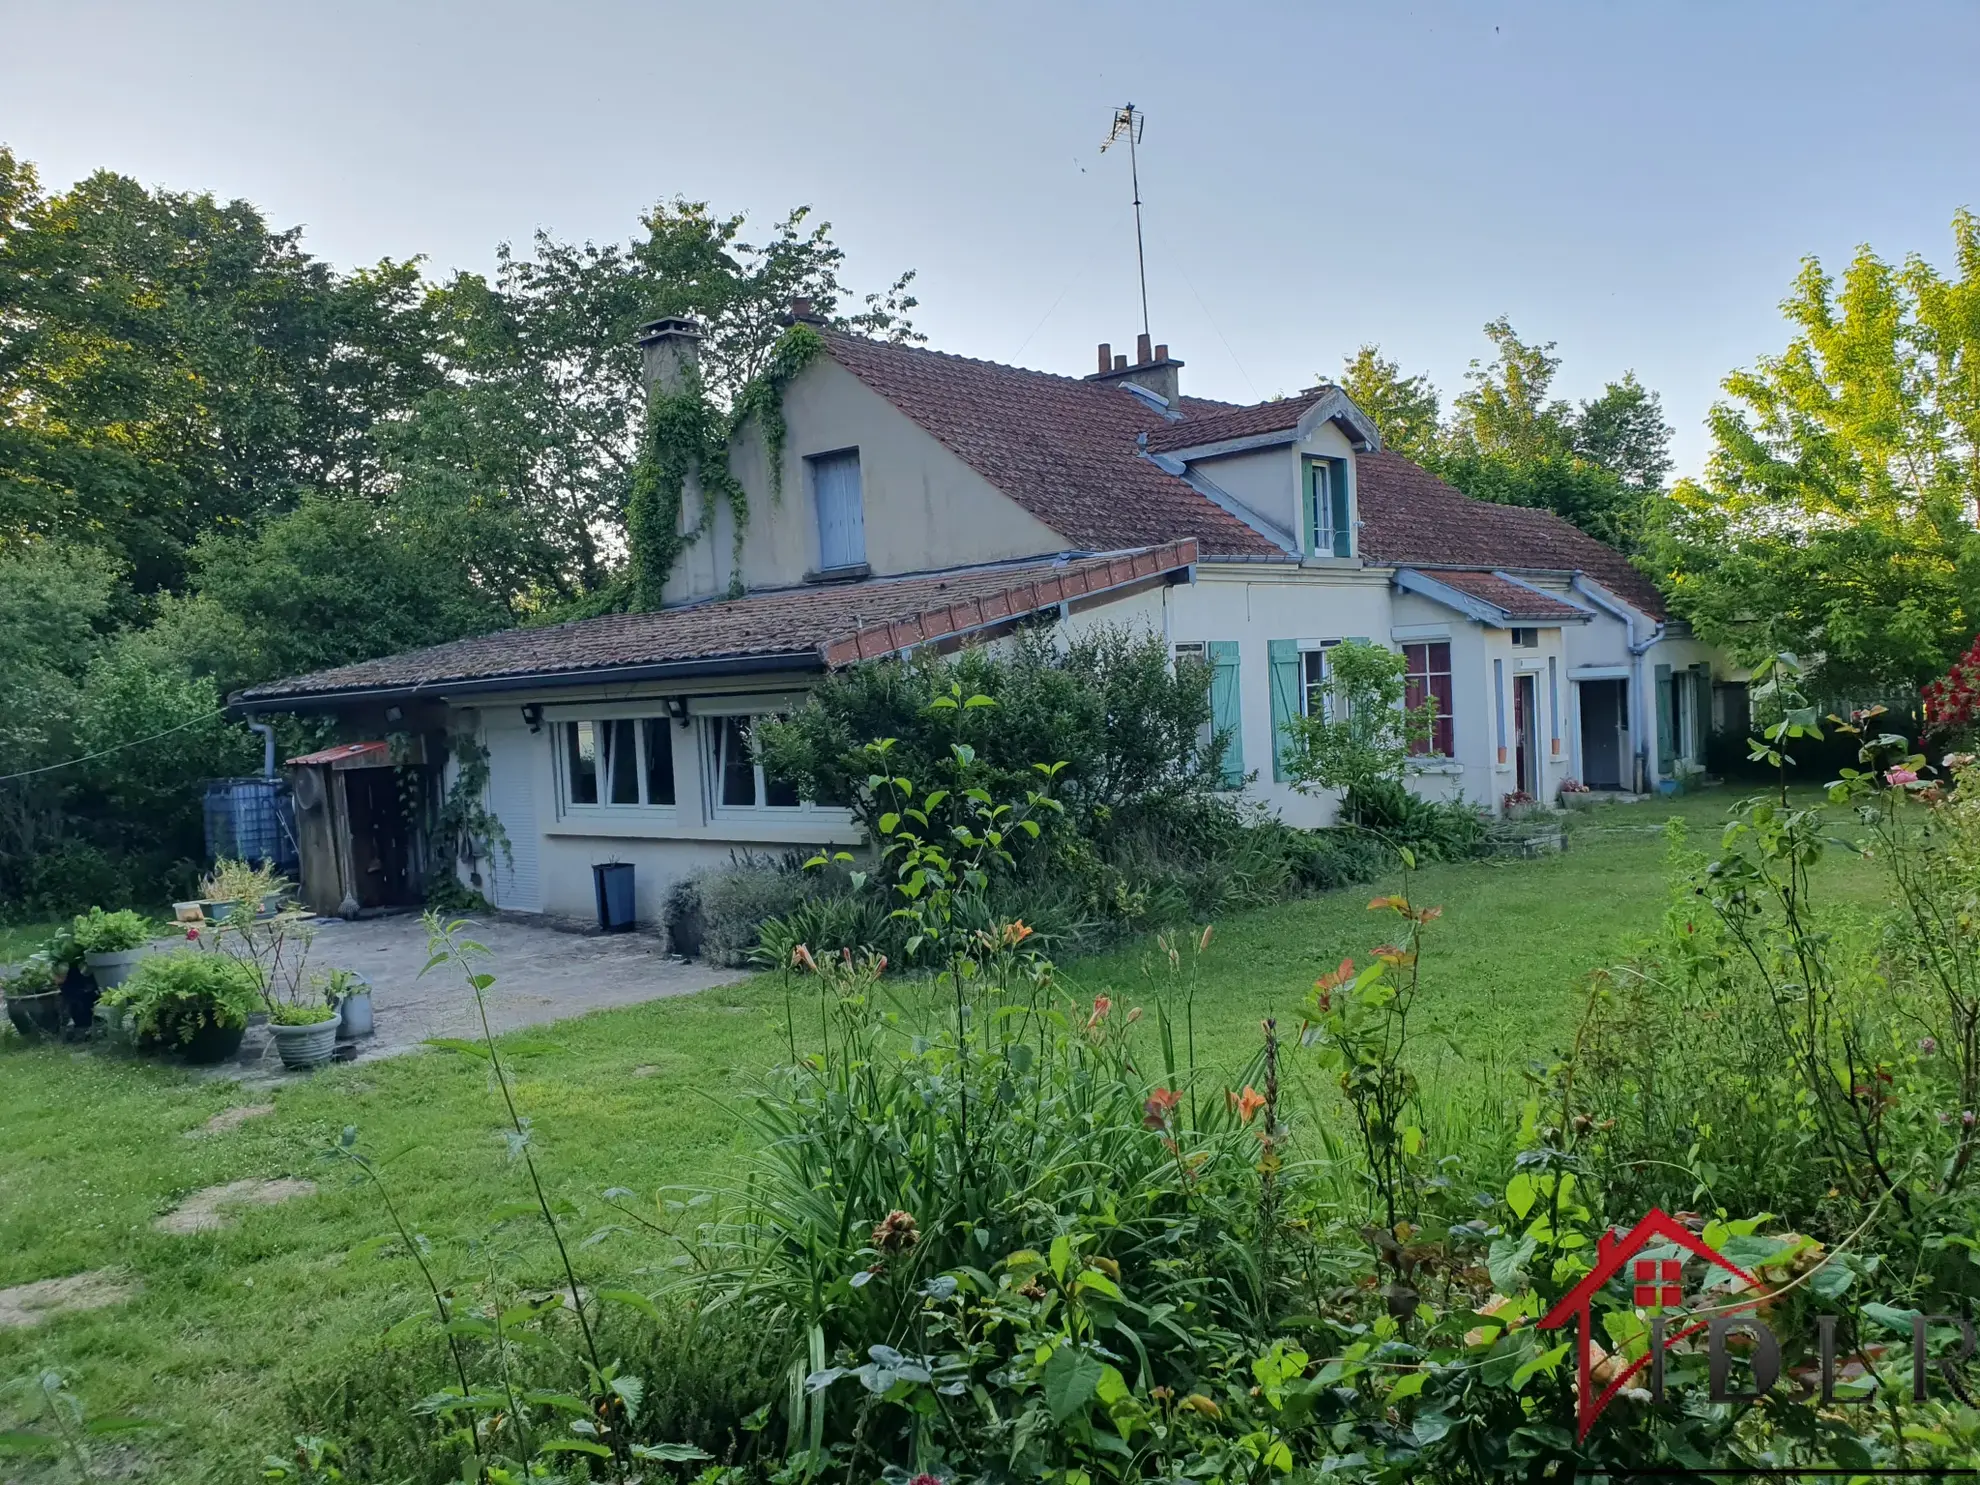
pixel 1129 121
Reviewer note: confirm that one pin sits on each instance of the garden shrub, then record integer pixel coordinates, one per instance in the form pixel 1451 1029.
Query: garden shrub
pixel 1434 829
pixel 991 1232
pixel 734 902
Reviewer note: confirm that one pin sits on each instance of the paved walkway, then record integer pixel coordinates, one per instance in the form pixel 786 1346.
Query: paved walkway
pixel 541 975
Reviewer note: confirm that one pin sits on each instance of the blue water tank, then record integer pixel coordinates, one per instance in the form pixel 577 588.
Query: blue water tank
pixel 252 820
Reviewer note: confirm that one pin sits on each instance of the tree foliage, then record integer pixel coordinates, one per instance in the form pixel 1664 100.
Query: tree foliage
pixel 1507 439
pixel 1836 516
pixel 223 460
pixel 1364 736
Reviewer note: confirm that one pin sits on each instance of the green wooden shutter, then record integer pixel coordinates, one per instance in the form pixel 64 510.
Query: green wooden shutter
pixel 1309 506
pixel 1226 717
pixel 1337 486
pixel 1666 743
pixel 1701 712
pixel 1284 657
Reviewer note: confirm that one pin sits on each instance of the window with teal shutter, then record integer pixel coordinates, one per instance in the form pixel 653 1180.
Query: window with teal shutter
pixel 1328 530
pixel 1283 658
pixel 1225 713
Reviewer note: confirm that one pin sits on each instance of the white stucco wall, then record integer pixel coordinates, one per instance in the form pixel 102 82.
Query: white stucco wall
pixel 555 846
pixel 923 507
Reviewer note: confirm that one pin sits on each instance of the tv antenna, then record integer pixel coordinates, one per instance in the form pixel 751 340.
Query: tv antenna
pixel 1129 121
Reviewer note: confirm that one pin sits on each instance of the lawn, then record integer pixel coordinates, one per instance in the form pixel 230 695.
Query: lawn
pixel 225 1329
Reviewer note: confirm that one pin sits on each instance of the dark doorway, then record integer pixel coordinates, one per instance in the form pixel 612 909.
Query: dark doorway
pixel 381 842
pixel 1526 719
pixel 1604 732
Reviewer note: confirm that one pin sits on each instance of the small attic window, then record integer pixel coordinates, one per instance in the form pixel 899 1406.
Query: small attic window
pixel 1329 525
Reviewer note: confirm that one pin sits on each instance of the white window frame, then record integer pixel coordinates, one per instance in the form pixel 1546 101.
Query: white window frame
pixel 1197 650
pixel 1308 648
pixel 1532 640
pixel 709 741
pixel 601 730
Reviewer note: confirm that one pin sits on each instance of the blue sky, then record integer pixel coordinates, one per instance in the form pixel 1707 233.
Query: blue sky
pixel 1637 182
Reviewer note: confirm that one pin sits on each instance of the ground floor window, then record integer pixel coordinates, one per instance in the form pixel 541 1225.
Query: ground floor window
pixel 737 779
pixel 622 761
pixel 1317 695
pixel 1427 670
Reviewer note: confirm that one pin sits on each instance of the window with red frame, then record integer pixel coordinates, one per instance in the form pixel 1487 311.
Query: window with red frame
pixel 1429 678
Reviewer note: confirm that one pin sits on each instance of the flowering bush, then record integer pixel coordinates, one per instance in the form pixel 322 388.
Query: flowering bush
pixel 1952 703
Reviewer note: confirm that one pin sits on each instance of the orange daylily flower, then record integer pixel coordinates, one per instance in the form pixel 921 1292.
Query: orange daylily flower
pixel 1161 1103
pixel 1248 1103
pixel 1015 933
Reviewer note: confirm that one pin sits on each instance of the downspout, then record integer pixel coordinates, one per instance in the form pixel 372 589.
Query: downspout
pixel 1637 650
pixel 267 731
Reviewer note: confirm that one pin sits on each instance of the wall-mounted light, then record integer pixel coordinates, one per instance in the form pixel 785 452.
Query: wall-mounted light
pixel 677 708
pixel 395 714
pixel 533 715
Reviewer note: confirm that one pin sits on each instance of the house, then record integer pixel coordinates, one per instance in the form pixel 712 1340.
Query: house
pixel 927 499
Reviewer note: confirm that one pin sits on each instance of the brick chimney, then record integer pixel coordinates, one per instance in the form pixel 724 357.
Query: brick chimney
pixel 671 351
pixel 1153 369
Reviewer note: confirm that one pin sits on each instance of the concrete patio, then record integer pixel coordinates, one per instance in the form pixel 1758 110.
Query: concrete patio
pixel 541 975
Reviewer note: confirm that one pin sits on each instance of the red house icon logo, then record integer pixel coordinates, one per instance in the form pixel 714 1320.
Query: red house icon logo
pixel 1657 1283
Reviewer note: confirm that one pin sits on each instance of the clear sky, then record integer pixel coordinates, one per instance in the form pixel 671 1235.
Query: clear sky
pixel 1635 181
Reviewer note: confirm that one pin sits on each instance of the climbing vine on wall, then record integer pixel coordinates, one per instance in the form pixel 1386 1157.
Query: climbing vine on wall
pixel 466 830
pixel 686 434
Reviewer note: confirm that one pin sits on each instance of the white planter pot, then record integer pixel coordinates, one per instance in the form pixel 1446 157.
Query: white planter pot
pixel 304 1047
pixel 111 970
pixel 354 1013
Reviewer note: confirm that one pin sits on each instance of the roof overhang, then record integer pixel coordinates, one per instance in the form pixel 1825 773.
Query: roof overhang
pixel 1051 593
pixel 1497 616
pixel 1334 407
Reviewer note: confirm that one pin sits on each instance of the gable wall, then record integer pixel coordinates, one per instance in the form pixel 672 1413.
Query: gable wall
pixel 923 507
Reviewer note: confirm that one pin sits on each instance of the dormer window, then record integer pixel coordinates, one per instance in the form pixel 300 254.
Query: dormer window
pixel 1329 528
pixel 835 488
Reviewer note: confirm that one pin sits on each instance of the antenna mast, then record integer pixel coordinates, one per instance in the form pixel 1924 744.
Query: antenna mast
pixel 1129 121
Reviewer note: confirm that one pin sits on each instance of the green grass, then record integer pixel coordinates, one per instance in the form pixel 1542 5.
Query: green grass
pixel 22 939
pixel 228 1328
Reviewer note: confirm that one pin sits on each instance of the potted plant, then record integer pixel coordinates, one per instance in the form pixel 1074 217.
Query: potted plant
pixel 234 891
pixel 350 993
pixel 194 1001
pixel 111 944
pixel 34 998
pixel 305 1030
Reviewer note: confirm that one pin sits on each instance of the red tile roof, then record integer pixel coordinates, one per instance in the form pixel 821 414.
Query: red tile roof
pixel 1409 517
pixel 807 628
pixel 1067 451
pixel 1237 422
pixel 1062 448
pixel 1515 600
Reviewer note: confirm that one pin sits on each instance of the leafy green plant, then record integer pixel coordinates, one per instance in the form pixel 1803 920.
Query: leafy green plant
pixel 66 1432
pixel 1362 737
pixel 98 932
pixel 172 997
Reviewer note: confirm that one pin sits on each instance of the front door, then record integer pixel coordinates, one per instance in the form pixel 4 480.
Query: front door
pixel 1526 760
pixel 1604 732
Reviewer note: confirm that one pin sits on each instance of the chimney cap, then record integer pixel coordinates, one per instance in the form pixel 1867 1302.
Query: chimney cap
pixel 670 327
